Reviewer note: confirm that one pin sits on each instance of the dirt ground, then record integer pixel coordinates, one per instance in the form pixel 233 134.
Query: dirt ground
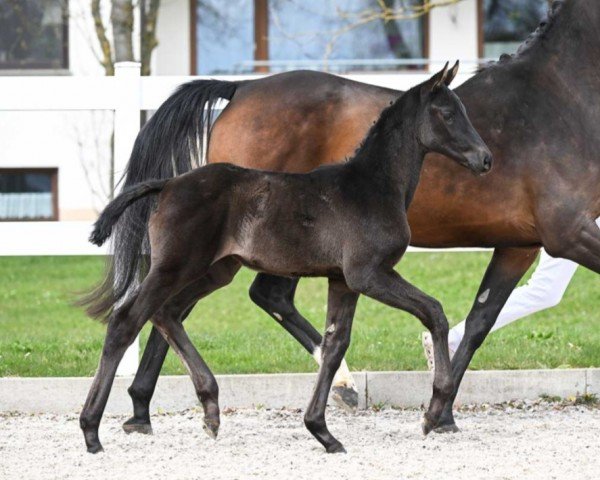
pixel 526 441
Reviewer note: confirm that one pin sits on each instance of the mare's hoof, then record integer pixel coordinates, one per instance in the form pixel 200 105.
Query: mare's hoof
pixel 134 425
pixel 95 448
pixel 450 428
pixel 336 448
pixel 345 397
pixel 211 428
pixel 427 425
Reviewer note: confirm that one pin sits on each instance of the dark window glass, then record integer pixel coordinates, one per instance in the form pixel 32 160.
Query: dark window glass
pixel 507 23
pixel 329 33
pixel 33 34
pixel 225 33
pixel 26 195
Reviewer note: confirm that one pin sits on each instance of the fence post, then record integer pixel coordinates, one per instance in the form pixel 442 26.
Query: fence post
pixel 127 126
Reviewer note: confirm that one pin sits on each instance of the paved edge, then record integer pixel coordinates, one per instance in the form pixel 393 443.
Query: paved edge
pixel 402 389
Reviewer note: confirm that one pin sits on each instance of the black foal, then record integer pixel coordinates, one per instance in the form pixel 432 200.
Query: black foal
pixel 346 222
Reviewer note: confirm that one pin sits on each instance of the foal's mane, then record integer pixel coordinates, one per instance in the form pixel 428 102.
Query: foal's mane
pixel 378 125
pixel 535 37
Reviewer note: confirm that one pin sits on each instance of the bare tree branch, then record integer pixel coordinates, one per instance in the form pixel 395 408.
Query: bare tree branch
pixel 149 41
pixel 121 18
pixel 385 11
pixel 107 59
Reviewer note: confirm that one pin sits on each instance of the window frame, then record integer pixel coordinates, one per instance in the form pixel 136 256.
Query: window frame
pixel 43 67
pixel 53 173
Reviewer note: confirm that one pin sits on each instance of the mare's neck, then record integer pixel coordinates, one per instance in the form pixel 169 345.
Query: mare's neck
pixel 391 157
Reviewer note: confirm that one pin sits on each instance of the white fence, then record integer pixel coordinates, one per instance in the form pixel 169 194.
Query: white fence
pixel 127 93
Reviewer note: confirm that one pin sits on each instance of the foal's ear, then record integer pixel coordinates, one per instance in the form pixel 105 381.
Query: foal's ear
pixel 435 82
pixel 451 74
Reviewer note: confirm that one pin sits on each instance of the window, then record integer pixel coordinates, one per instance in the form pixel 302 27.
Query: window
pixel 507 23
pixel 289 34
pixel 33 34
pixel 316 33
pixel 225 35
pixel 28 194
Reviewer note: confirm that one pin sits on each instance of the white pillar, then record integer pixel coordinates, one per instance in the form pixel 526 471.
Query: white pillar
pixel 127 126
pixel 453 34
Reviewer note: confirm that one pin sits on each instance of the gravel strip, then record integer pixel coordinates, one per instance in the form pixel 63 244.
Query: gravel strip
pixel 535 441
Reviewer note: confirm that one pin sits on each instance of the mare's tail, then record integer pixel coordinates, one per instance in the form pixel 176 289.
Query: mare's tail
pixel 171 143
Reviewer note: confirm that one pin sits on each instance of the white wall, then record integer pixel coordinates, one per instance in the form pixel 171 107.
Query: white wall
pixel 453 32
pixel 172 55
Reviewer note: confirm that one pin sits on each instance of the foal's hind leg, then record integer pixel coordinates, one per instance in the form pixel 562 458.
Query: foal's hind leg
pixel 203 379
pixel 275 295
pixel 176 308
pixel 123 326
pixel 387 286
pixel 341 305
pixel 506 268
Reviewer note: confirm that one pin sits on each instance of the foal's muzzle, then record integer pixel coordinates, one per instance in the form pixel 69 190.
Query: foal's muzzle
pixel 480 161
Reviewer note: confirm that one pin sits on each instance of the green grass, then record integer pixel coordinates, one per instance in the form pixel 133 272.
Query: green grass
pixel 41 334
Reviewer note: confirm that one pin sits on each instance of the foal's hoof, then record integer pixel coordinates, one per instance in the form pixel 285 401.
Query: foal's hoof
pixel 135 425
pixel 95 448
pixel 450 428
pixel 345 397
pixel 211 428
pixel 427 425
pixel 336 448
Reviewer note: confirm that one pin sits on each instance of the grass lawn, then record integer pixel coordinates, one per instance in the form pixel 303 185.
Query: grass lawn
pixel 42 335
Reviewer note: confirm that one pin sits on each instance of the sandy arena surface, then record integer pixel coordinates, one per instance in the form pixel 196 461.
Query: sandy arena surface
pixel 542 441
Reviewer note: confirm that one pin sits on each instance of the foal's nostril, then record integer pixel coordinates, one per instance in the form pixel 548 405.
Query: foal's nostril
pixel 487 162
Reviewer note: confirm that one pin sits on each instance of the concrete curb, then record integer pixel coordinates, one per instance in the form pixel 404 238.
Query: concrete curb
pixel 403 389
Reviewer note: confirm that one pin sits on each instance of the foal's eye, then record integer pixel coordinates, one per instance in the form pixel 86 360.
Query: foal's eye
pixel 448 117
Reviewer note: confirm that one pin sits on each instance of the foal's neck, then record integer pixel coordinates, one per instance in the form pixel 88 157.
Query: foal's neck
pixel 391 155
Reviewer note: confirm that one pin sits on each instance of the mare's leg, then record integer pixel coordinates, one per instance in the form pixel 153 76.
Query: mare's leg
pixel 578 240
pixel 275 295
pixel 507 267
pixel 387 286
pixel 341 304
pixel 123 326
pixel 178 308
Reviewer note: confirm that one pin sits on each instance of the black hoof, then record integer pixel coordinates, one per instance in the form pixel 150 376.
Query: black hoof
pixel 211 428
pixel 95 448
pixel 345 397
pixel 450 428
pixel 336 448
pixel 427 426
pixel 134 425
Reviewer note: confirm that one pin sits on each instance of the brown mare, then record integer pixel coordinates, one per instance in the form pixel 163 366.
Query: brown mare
pixel 537 111
pixel 346 222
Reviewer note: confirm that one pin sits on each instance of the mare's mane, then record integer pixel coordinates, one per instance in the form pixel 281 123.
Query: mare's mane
pixel 535 37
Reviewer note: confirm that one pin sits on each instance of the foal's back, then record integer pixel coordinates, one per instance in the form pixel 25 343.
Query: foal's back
pixel 290 224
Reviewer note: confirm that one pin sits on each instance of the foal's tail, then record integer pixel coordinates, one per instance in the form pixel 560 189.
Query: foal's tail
pixel 171 143
pixel 113 211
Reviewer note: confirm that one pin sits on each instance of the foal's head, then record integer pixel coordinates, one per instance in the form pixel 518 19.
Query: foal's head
pixel 443 125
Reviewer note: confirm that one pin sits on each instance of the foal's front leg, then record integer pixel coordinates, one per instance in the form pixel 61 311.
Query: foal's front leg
pixel 275 295
pixel 387 286
pixel 341 304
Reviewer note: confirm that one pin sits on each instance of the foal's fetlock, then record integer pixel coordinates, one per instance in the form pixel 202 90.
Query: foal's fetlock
pixel 211 427
pixel 90 435
pixel 140 421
